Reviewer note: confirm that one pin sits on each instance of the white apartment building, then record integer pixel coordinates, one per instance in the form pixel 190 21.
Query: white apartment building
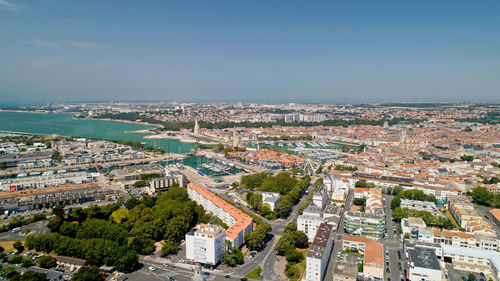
pixel 270 198
pixel 239 222
pixel 205 244
pixel 319 253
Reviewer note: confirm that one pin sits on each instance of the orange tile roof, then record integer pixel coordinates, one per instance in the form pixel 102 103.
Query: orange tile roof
pixel 242 220
pixel 496 213
pixel 374 252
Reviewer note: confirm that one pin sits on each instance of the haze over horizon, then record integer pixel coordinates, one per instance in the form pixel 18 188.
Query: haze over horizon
pixel 250 51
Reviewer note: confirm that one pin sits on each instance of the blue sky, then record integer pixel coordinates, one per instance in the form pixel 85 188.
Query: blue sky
pixel 238 50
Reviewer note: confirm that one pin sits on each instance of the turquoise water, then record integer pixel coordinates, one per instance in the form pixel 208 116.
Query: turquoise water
pixel 63 124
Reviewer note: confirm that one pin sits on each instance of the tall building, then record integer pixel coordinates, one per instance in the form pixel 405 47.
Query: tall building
pixel 205 244
pixel 319 253
pixel 239 222
pixel 196 130
pixel 310 220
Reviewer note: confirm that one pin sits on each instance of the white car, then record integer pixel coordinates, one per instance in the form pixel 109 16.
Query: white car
pixel 152 268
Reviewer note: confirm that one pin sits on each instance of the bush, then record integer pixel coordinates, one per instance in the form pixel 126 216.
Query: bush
pixel 88 273
pixel 15 259
pixel 47 261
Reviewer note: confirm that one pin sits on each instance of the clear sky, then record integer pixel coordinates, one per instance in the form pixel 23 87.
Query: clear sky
pixel 243 50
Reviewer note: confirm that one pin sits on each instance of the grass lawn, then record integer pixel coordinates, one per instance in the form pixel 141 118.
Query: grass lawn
pixel 448 214
pixel 7 245
pixel 254 274
pixel 302 265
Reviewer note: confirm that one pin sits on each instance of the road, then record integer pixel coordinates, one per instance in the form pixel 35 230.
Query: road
pixel 36 228
pixel 392 243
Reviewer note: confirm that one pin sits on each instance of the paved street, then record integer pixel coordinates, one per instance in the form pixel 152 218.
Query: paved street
pixel 392 243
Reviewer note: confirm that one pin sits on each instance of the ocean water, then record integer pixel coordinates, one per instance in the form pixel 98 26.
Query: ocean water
pixel 63 124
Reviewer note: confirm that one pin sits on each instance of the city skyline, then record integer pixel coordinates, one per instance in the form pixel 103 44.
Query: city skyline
pixel 249 51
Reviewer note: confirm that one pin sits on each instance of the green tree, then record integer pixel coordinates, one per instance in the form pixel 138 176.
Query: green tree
pixel 31 275
pixel 27 262
pixel 15 259
pixel 58 211
pixel 47 261
pixel 360 183
pixel 233 257
pixel 169 248
pixel 56 155
pixel 18 245
pixel 359 201
pixel 395 202
pixel 88 273
pixel 293 256
pixel 471 277
pixel 300 239
pixel 10 272
pixel 481 195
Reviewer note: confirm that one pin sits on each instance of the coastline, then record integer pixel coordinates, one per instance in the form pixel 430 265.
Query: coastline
pixel 23 111
pixel 123 121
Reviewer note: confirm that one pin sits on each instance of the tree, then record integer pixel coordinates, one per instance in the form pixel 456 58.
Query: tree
pixel 54 224
pixel 481 195
pixel 292 272
pixel 18 245
pixel 31 275
pixel 233 257
pixel 291 226
pixel 46 261
pixel 120 215
pixel 27 262
pixel 88 273
pixel 56 155
pixel 10 272
pixel 471 277
pixel 293 256
pixel 360 183
pixel 132 202
pixel 169 248
pixel 300 239
pixel 15 259
pixel 359 201
pixel 395 202
pixel 58 211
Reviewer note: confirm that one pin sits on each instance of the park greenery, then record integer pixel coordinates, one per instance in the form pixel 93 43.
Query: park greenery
pixel 88 273
pixel 290 188
pixel 114 234
pixel 411 194
pixel 482 196
pixel 317 183
pixel 287 246
pixel 145 178
pixel 46 261
pixel 429 219
pixel 256 273
pixel 233 256
pixel 256 239
pixel 345 168
pixel 364 184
